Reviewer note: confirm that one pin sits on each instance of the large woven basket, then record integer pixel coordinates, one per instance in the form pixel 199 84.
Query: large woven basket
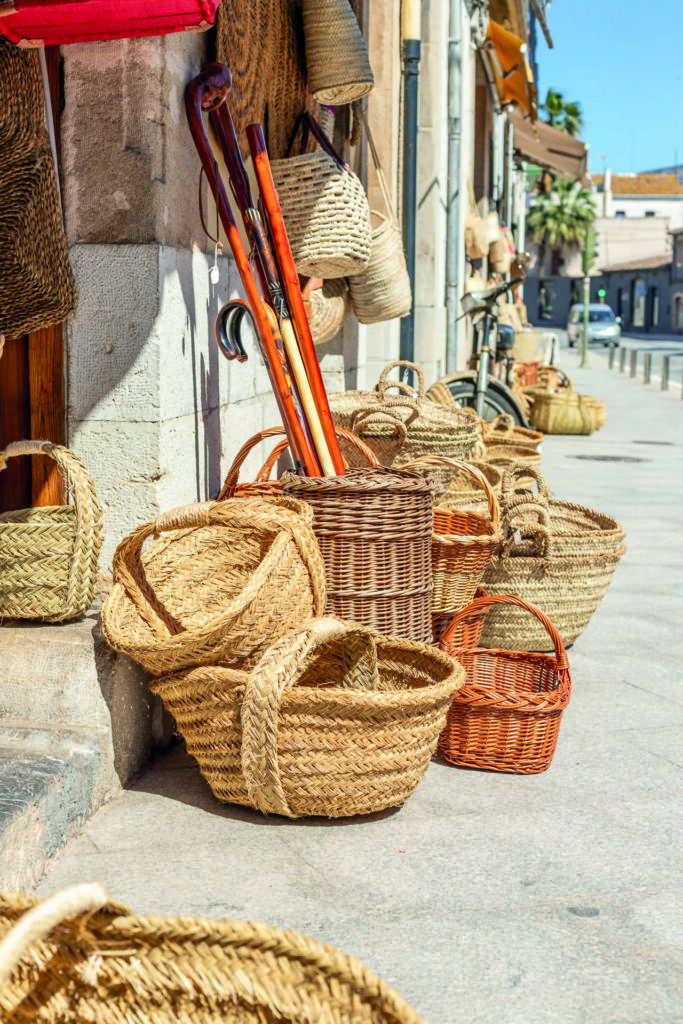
pixel 560 558
pixel 37 286
pixel 80 957
pixel 406 426
pixel 48 556
pixel 336 55
pixel 506 717
pixel 463 542
pixel 335 720
pixel 564 412
pixel 222 580
pixel 374 527
pixel 325 210
pixel 504 431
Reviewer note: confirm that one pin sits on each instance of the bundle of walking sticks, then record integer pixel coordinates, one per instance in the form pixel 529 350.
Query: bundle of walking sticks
pixel 273 296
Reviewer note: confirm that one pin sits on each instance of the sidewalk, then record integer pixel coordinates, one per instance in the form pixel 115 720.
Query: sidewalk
pixel 486 899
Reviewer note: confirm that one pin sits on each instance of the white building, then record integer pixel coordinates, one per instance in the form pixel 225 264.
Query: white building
pixel 639 195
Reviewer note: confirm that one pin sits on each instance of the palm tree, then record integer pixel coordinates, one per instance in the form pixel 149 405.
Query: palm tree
pixel 561 113
pixel 559 218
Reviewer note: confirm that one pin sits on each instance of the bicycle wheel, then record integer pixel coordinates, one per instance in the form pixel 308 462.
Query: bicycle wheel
pixel 496 401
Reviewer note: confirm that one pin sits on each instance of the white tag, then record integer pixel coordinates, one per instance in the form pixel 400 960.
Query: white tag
pixel 213 275
pixel 517 537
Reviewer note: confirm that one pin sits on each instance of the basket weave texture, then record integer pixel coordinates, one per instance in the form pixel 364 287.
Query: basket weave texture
pixel 219 584
pixel 335 720
pixel 463 542
pixel 374 527
pixel 504 431
pixel 327 307
pixel 37 286
pixel 48 556
pixel 507 716
pixel 337 60
pixel 557 555
pixel 406 426
pixel 80 957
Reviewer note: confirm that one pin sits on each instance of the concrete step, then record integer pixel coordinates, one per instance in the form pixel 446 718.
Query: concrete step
pixel 51 780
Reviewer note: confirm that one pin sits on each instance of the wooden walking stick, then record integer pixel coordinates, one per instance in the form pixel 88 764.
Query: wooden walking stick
pixel 206 92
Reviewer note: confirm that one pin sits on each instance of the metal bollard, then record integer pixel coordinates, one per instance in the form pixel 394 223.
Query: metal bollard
pixel 622 358
pixel 610 358
pixel 647 365
pixel 634 362
pixel 666 366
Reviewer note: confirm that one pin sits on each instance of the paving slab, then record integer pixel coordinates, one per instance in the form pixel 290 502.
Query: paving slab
pixel 487 898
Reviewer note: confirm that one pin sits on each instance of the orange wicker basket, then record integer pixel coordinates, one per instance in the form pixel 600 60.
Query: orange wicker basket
pixel 469 630
pixel 263 486
pixel 463 542
pixel 506 717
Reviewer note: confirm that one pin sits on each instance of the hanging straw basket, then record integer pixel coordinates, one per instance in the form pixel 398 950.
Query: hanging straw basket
pixel 507 716
pixel 78 956
pixel 48 555
pixel 327 305
pixel 382 291
pixel 221 582
pixel 463 542
pixel 374 527
pixel 335 720
pixel 504 431
pixel 337 61
pixel 325 209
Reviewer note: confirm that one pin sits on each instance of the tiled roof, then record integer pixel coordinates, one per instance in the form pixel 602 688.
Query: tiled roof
pixel 645 263
pixel 641 184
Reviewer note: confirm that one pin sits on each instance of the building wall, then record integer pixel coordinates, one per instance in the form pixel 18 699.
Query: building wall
pixel 670 207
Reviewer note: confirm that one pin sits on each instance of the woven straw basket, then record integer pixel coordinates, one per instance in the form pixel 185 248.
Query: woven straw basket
pixel 80 957
pixel 564 412
pixel 48 556
pixel 463 490
pixel 506 717
pixel 37 286
pixel 337 61
pixel 221 582
pixel 374 527
pixel 504 431
pixel 463 542
pixel 325 209
pixel 335 720
pixel 407 425
pixel 263 486
pixel 561 558
pixel 327 305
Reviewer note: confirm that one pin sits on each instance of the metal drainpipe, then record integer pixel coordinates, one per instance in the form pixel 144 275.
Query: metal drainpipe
pixel 411 46
pixel 453 241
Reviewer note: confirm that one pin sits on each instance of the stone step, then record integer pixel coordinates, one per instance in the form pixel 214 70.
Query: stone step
pixel 51 781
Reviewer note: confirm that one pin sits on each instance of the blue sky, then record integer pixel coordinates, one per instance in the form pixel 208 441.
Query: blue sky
pixel 622 60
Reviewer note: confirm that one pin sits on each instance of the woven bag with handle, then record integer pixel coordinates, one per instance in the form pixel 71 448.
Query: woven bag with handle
pixel 78 956
pixel 48 556
pixel 327 305
pixel 337 60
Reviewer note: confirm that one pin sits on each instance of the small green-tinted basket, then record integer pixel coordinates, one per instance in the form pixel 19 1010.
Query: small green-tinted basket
pixel 48 556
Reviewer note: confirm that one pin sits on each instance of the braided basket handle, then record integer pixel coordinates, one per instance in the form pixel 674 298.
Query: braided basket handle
pixel 279 669
pixel 232 478
pixel 276 513
pixel 484 604
pixel 518 526
pixel 513 471
pixel 503 424
pixel 469 470
pixel 383 383
pixel 281 447
pixel 38 922
pixel 384 422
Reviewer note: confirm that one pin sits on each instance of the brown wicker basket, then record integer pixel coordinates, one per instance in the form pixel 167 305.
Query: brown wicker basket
pixel 506 718
pixel 463 542
pixel 374 527
pixel 79 957
pixel 335 720
pixel 48 555
pixel 222 580
pixel 469 631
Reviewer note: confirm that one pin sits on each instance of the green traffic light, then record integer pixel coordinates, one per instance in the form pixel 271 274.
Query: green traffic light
pixel 601 293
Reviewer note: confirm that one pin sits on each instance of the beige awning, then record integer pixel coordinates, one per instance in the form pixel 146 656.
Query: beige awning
pixel 546 146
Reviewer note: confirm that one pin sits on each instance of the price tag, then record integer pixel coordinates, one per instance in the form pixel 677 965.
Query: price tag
pixel 517 537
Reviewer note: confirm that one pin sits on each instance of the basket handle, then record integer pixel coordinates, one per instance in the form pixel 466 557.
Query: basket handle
pixel 515 470
pixel 383 384
pixel 503 424
pixel 563 381
pixel 517 526
pixel 469 470
pixel 360 446
pixel 276 514
pixel 278 670
pixel 363 420
pixel 232 478
pixel 486 603
pixel 37 923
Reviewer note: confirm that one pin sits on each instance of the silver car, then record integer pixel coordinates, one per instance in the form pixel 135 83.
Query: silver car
pixel 603 325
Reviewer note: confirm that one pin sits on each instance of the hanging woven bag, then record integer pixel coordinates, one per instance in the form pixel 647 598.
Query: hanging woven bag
pixel 324 207
pixel 327 305
pixel 337 62
pixel 219 582
pixel 79 956
pixel 382 291
pixel 334 720
pixel 506 718
pixel 48 555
